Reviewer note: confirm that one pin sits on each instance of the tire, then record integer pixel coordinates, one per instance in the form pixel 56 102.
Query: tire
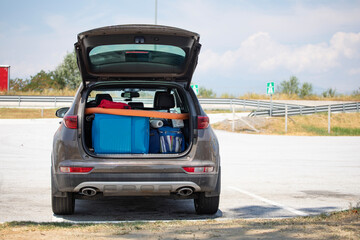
pixel 206 205
pixel 63 205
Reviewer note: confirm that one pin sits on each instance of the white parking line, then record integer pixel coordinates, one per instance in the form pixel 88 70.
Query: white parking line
pixel 297 212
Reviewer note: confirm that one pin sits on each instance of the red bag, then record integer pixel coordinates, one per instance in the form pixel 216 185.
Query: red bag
pixel 109 104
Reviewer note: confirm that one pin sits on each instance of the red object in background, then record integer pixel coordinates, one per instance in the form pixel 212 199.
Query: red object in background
pixel 110 104
pixel 4 78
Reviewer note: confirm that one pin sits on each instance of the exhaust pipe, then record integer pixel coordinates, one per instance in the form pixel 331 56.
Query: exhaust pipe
pixel 88 191
pixel 185 191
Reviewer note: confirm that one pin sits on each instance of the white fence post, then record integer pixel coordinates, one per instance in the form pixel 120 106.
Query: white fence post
pixel 286 116
pixel 233 118
pixel 329 114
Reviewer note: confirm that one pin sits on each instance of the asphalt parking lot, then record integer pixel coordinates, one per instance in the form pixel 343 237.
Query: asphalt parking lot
pixel 262 177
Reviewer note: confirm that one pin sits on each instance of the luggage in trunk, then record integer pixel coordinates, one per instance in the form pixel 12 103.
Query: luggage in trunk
pixel 171 140
pixel 114 134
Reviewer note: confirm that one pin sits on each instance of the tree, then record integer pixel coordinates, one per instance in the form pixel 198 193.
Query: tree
pixel 18 84
pixel 329 92
pixel 206 93
pixel 356 92
pixel 305 90
pixel 289 87
pixel 227 95
pixel 42 80
pixel 67 73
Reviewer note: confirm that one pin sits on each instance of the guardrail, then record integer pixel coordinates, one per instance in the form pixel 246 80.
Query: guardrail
pixel 304 110
pixel 254 104
pixel 279 109
pixel 261 108
pixel 36 99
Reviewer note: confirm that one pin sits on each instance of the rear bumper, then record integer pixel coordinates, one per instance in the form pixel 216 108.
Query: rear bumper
pixel 135 184
pixel 136 188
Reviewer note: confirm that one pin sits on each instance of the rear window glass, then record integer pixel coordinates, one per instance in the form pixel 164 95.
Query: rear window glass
pixel 147 58
pixel 142 96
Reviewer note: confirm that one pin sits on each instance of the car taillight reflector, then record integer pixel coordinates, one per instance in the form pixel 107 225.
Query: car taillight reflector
pixel 203 122
pixel 70 121
pixel 198 169
pixel 75 169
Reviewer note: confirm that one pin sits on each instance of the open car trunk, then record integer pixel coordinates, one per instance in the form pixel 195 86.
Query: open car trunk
pixel 150 52
pixel 144 120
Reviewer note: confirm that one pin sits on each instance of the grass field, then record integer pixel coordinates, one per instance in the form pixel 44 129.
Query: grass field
pixel 342 124
pixel 339 225
pixel 15 113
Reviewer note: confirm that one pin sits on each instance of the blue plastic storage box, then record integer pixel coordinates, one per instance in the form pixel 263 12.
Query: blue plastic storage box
pixel 113 134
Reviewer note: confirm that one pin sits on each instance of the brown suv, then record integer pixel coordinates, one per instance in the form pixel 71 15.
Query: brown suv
pixel 135 128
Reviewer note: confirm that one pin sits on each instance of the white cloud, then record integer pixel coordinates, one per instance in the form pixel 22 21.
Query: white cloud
pixel 260 52
pixel 223 24
pixel 347 44
pixel 354 71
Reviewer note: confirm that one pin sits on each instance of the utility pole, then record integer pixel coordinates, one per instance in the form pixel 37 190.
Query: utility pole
pixel 156 12
pixel 271 105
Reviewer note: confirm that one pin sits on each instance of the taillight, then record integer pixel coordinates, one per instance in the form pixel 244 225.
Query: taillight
pixel 75 169
pixel 198 169
pixel 70 121
pixel 203 122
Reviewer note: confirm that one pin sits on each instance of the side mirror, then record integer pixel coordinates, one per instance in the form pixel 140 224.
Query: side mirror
pixel 60 113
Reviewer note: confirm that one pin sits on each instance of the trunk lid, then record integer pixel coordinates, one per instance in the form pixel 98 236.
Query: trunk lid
pixel 146 52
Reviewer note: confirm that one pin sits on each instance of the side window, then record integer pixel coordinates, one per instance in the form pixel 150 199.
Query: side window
pixel 143 96
pixel 147 97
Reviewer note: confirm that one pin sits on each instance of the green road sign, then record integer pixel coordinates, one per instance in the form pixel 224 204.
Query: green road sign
pixel 270 88
pixel 195 87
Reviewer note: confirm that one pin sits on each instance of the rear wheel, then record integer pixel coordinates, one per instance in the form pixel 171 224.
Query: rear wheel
pixel 63 205
pixel 206 205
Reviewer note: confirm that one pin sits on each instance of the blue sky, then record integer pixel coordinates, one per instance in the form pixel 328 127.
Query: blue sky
pixel 245 43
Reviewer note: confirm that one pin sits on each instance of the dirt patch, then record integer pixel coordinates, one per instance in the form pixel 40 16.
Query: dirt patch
pixel 327 194
pixel 342 225
pixel 243 124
